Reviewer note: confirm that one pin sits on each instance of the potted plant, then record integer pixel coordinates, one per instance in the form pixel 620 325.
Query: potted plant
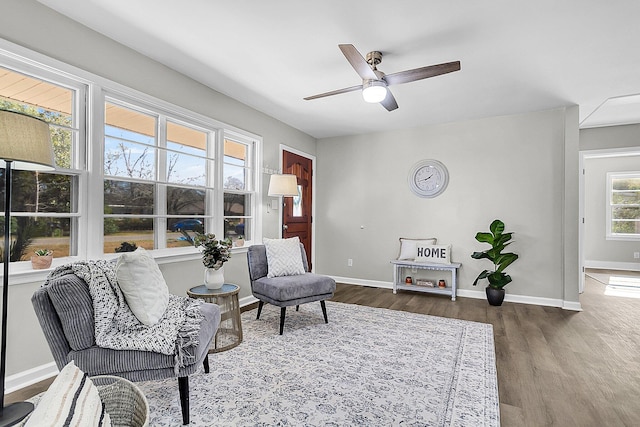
pixel 127 247
pixel 240 241
pixel 214 254
pixel 42 259
pixel 497 278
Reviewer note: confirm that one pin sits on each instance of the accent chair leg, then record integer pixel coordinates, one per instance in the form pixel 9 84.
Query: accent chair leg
pixel 283 311
pixel 205 363
pixel 297 308
pixel 183 389
pixel 324 311
pixel 260 304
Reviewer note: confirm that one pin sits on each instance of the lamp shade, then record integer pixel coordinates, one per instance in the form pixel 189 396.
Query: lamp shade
pixel 283 185
pixel 26 141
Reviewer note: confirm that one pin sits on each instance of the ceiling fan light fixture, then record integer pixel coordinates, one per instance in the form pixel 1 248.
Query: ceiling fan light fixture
pixel 374 91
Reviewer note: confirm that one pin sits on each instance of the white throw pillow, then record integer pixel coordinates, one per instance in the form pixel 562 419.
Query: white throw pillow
pixel 143 285
pixel 439 254
pixel 71 397
pixel 409 247
pixel 284 257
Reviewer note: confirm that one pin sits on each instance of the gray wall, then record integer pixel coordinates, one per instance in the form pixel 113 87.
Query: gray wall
pixel 33 26
pixel 511 168
pixel 610 137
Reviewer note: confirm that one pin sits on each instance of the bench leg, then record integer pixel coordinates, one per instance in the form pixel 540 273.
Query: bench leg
pixel 183 389
pixel 260 304
pixel 324 311
pixel 283 311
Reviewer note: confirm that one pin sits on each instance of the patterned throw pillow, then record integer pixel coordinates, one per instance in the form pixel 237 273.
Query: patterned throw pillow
pixel 71 400
pixel 284 257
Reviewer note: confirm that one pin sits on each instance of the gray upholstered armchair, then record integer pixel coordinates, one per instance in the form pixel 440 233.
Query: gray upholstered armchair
pixel 65 311
pixel 286 291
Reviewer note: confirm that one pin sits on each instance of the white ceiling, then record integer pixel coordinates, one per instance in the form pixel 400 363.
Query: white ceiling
pixel 516 56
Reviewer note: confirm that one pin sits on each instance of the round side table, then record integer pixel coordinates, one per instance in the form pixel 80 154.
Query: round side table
pixel 229 333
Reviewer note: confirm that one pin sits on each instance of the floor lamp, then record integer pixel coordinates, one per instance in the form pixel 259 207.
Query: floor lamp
pixel 25 143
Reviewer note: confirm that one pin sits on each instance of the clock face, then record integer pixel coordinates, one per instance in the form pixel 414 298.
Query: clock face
pixel 428 178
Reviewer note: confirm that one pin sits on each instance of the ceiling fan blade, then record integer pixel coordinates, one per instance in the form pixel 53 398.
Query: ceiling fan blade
pixel 421 73
pixel 358 62
pixel 389 102
pixel 334 92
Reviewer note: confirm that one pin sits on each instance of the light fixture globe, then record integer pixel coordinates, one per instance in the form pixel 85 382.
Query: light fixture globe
pixel 374 90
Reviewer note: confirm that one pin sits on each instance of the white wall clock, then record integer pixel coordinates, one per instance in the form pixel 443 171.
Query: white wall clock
pixel 428 178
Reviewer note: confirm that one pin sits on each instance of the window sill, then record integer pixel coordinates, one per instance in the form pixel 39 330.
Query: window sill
pixel 22 272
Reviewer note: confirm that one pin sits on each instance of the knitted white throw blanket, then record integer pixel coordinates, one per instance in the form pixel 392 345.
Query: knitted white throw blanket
pixel 116 326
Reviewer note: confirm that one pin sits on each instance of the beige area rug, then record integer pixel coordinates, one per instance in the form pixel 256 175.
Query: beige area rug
pixel 366 367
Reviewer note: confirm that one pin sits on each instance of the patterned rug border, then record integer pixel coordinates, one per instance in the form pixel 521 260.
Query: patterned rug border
pixel 359 375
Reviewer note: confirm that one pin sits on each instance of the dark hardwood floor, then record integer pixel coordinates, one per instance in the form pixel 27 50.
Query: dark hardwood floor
pixel 555 367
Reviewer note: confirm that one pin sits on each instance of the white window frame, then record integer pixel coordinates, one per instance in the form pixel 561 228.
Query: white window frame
pixel 610 206
pixel 89 238
pixel 14 62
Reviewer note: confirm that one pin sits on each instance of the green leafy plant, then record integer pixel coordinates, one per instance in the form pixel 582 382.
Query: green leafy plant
pixel 498 240
pixel 214 252
pixel 43 252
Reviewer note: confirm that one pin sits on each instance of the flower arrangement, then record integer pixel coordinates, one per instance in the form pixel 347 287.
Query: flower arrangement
pixel 214 252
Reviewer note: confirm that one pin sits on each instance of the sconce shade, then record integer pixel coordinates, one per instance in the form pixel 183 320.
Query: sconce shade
pixel 26 141
pixel 283 185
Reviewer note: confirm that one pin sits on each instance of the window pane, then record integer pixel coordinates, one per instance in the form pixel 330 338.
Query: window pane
pixel 188 137
pixel 234 177
pixel 133 230
pixel 126 124
pixel 625 227
pixel 625 197
pixel 29 234
pixel 181 231
pixel 236 227
pixel 185 201
pixel 237 204
pixel 626 183
pixel 186 169
pixel 128 159
pixel 39 192
pixel 235 153
pixel 627 212
pixel 297 203
pixel 122 197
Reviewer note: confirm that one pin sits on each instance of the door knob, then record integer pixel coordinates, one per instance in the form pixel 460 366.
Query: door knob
pixel 285 227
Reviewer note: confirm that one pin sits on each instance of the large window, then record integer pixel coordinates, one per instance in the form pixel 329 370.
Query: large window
pixel 623 213
pixel 129 168
pixel 45 205
pixel 158 176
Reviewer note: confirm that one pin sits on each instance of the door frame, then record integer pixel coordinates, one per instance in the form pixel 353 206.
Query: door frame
pixel 281 150
pixel 582 190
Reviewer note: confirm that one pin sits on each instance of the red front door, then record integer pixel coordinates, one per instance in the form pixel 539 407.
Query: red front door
pixel 296 212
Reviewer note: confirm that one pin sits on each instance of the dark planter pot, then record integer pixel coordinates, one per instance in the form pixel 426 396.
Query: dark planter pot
pixel 495 296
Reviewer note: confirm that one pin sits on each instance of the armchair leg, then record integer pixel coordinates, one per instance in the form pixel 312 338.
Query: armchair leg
pixel 183 389
pixel 260 304
pixel 297 308
pixel 324 311
pixel 205 363
pixel 283 311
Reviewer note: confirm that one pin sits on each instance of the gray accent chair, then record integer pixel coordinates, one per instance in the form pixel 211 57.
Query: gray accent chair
pixel 286 291
pixel 65 311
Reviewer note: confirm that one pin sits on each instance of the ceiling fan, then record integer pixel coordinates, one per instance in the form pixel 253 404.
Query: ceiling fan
pixel 375 82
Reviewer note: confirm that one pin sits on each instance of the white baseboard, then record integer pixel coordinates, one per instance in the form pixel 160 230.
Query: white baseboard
pixel 26 378
pixel 612 265
pixel 247 300
pixel 467 293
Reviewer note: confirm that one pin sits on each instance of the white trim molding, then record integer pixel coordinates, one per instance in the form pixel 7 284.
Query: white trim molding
pixel 30 376
pixel 468 293
pixel 612 265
